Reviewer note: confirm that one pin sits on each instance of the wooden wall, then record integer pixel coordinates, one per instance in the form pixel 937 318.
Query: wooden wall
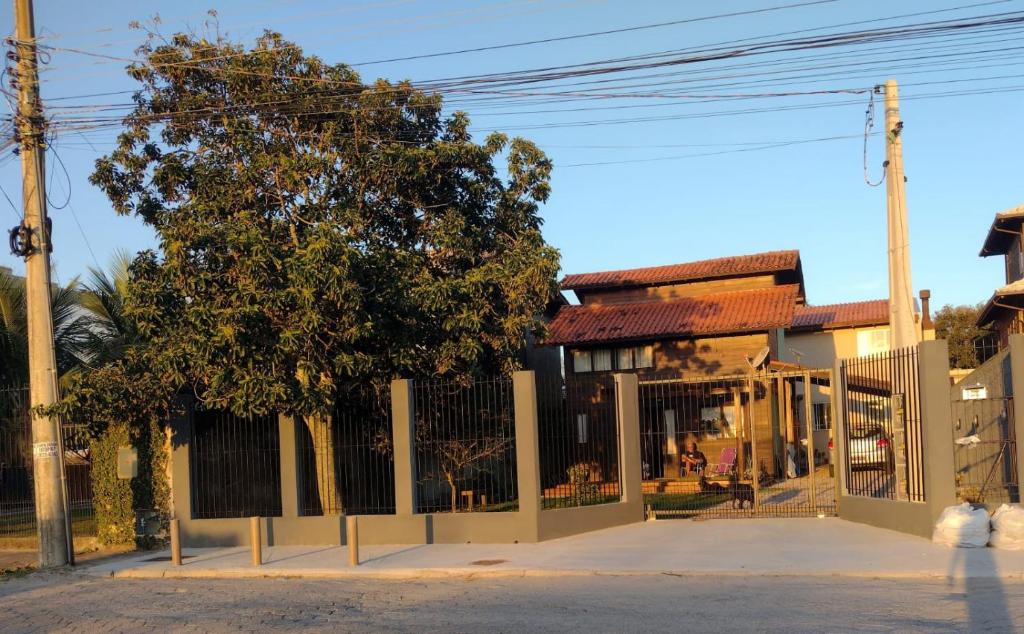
pixel 675 291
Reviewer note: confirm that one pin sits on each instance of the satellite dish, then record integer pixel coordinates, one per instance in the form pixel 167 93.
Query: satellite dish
pixel 760 359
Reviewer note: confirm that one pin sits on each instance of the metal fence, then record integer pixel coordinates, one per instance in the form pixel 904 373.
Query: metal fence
pixel 17 496
pixel 882 435
pixel 735 446
pixel 347 461
pixel 235 466
pixel 465 446
pixel 578 436
pixel 985 451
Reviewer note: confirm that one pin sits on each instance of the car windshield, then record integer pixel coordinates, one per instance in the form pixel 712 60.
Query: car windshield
pixel 866 432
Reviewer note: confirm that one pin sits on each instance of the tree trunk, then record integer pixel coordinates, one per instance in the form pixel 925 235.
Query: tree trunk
pixel 455 496
pixel 327 483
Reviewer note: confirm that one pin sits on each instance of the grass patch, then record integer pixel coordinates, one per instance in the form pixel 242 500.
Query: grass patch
pixel 684 501
pixel 549 504
pixel 83 523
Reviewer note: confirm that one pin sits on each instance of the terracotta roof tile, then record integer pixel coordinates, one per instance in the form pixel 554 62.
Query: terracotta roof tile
pixel 755 264
pixel 713 314
pixel 838 315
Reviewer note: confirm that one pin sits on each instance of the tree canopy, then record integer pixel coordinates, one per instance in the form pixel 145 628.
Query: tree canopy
pixel 316 231
pixel 958 326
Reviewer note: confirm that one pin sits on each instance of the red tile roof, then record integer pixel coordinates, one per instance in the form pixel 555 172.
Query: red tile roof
pixel 714 314
pixel 869 313
pixel 759 263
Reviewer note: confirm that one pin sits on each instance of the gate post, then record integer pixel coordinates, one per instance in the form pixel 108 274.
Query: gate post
pixel 524 388
pixel 403 434
pixel 1017 387
pixel 936 426
pixel 627 401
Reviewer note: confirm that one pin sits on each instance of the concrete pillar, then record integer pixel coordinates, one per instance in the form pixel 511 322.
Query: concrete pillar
pixel 524 387
pixel 839 428
pixel 1016 344
pixel 403 430
pixel 180 422
pixel 627 403
pixel 290 478
pixel 936 426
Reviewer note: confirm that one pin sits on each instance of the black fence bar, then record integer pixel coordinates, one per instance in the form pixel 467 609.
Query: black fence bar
pixel 579 441
pixel 347 460
pixel 883 438
pixel 235 466
pixel 465 446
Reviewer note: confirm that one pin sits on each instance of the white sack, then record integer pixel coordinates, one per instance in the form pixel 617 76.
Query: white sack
pixel 962 526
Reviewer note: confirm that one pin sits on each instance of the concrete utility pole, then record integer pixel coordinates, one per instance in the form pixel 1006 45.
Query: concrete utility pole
pixel 902 329
pixel 47 448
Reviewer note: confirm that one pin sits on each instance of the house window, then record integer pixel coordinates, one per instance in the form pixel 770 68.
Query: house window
pixel 602 360
pixel 608 360
pixel 872 341
pixel 625 358
pixel 581 361
pixel 581 428
pixel 644 356
pixel 822 417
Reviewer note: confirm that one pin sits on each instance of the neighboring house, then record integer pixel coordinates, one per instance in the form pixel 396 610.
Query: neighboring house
pixel 704 317
pixel 708 320
pixel 1003 314
pixel 821 334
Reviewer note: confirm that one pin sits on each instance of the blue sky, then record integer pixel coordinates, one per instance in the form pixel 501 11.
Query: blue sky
pixel 963 154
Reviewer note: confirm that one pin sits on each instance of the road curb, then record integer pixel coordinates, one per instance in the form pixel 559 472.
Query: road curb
pixel 469 574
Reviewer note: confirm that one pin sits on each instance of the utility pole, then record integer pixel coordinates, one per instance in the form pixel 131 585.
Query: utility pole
pixel 902 330
pixel 47 446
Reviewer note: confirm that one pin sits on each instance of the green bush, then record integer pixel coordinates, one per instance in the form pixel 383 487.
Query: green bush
pixel 116 500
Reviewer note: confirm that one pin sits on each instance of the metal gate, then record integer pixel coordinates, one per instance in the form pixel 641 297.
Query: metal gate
pixel 985 451
pixel 754 445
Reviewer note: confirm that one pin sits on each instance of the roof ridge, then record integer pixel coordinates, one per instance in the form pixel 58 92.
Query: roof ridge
pixel 706 260
pixel 833 305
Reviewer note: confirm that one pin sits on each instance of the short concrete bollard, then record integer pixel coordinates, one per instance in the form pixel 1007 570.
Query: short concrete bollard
pixel 352 539
pixel 175 542
pixel 256 541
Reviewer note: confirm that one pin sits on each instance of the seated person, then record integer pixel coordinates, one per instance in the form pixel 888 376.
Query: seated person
pixel 693 461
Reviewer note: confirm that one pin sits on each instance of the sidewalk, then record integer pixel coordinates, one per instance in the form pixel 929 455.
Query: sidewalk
pixel 760 547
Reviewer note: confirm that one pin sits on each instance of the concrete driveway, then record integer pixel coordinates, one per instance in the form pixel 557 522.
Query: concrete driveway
pixel 799 547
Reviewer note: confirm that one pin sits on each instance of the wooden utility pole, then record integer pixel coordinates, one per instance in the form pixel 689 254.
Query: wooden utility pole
pixel 47 448
pixel 902 329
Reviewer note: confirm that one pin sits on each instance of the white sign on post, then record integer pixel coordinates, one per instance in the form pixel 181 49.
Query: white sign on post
pixel 974 392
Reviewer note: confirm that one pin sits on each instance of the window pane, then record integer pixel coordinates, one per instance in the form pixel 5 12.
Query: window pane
pixel 602 360
pixel 625 358
pixel 581 361
pixel 581 428
pixel 645 357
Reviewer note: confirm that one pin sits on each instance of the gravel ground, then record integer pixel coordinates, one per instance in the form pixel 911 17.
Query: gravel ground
pixel 48 602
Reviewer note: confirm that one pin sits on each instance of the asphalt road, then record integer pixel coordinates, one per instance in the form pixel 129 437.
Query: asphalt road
pixel 74 602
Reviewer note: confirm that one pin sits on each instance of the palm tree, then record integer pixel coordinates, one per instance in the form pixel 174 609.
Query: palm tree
pixel 68 326
pixel 109 334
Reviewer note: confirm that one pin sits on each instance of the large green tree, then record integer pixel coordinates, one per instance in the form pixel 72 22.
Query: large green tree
pixel 317 232
pixel 958 325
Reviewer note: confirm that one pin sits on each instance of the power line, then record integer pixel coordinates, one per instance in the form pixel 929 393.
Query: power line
pixel 578 36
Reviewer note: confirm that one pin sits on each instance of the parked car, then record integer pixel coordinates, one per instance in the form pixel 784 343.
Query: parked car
pixel 870 447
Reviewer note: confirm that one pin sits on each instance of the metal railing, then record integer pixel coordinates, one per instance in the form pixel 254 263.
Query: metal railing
pixel 17 497
pixel 735 445
pixel 578 437
pixel 347 460
pixel 465 446
pixel 235 466
pixel 985 451
pixel 882 437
